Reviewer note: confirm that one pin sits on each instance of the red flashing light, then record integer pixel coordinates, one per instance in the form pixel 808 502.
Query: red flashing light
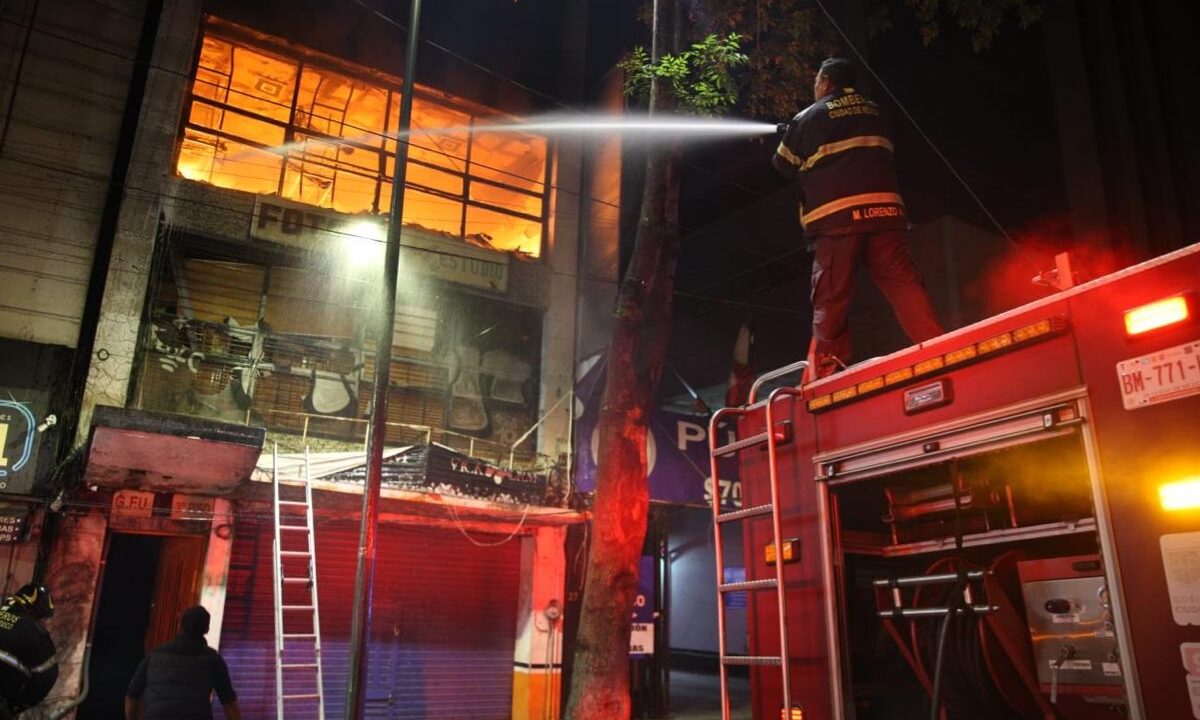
pixel 1156 315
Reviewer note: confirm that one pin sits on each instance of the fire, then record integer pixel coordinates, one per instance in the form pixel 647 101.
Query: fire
pixel 266 123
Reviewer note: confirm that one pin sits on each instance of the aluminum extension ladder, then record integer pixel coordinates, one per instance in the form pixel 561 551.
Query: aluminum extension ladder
pixel 297 620
pixel 778 434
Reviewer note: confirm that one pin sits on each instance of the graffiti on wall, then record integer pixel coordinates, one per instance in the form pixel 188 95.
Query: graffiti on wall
pixel 460 363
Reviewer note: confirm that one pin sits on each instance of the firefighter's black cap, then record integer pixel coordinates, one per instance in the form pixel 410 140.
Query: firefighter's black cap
pixel 840 71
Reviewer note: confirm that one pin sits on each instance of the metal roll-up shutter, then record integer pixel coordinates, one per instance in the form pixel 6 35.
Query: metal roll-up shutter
pixel 248 627
pixel 443 624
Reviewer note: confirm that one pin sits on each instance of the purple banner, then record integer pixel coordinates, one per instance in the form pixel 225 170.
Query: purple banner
pixel 676 449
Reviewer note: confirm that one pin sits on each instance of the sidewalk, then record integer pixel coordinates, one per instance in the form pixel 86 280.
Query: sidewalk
pixel 697 696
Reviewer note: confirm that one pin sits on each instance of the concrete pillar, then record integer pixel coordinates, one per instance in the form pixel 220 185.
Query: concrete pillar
pixel 537 660
pixel 150 175
pixel 600 248
pixel 558 325
pixel 215 578
pixel 73 579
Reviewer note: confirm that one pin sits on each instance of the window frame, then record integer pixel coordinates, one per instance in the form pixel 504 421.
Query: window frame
pixel 239 36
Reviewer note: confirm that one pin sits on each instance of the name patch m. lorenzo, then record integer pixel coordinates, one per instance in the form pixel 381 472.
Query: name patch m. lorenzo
pixel 875 211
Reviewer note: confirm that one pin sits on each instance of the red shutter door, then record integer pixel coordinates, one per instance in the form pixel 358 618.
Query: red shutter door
pixel 443 624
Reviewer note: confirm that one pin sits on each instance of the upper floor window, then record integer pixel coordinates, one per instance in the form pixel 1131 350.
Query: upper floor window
pixel 259 121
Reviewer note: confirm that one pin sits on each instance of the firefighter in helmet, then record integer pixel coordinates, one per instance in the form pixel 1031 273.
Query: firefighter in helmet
pixel 839 150
pixel 28 666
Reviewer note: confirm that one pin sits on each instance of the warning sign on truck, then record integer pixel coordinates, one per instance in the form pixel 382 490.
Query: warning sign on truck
pixel 1181 561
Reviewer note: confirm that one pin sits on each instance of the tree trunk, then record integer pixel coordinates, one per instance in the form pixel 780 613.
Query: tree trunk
pixel 636 355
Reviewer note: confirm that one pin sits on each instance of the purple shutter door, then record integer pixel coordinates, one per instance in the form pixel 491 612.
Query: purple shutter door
pixel 443 625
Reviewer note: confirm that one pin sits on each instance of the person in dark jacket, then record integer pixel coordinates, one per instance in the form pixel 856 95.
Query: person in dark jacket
pixel 839 149
pixel 28 663
pixel 176 680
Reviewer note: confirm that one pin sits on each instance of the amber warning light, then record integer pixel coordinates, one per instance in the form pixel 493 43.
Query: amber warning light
pixel 1157 315
pixel 1182 495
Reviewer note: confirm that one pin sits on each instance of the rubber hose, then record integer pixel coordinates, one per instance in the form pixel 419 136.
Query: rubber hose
pixel 936 697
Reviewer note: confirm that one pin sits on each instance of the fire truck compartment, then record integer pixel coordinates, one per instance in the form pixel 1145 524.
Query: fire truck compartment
pixel 991 521
pixel 1020 496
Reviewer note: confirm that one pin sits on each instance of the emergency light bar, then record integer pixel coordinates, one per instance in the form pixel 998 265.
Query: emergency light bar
pixel 957 357
pixel 1157 315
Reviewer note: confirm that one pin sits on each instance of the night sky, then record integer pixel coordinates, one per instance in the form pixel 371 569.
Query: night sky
pixel 991 113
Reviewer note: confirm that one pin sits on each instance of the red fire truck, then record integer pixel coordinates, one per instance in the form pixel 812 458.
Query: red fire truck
pixel 1003 522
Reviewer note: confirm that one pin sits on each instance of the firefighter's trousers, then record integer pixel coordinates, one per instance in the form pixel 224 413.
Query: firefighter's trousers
pixel 891 268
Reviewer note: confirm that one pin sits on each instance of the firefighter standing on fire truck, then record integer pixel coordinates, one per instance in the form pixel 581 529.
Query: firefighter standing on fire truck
pixel 840 151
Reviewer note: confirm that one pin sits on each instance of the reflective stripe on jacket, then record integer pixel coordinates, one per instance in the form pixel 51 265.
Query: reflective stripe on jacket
pixel 840 151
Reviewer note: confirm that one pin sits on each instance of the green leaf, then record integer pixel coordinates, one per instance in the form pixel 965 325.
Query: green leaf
pixel 700 79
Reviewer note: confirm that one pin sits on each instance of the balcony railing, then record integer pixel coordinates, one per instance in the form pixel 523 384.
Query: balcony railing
pixel 303 424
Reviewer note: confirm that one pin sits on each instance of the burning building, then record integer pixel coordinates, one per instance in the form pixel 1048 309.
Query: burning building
pixel 195 209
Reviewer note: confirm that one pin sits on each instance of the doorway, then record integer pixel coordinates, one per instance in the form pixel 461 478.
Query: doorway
pixel 148 581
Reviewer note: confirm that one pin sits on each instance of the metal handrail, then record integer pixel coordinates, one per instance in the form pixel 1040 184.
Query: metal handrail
pixel 777 531
pixel 719 549
pixel 772 375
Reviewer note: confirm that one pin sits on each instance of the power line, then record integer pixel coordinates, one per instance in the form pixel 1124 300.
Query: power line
pixel 187 76
pixel 462 58
pixel 738 303
pixel 694 231
pixel 921 131
pixel 684 229
pixel 547 97
pixel 752 191
pixel 176 202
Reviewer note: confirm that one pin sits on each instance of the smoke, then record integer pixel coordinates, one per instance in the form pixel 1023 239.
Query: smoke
pixel 1006 281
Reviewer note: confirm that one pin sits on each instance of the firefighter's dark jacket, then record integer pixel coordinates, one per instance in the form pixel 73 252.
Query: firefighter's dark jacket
pixel 28 667
pixel 840 150
pixel 176 680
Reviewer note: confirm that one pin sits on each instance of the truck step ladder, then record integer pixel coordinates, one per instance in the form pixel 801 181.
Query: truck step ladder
pixel 298 680
pixel 776 434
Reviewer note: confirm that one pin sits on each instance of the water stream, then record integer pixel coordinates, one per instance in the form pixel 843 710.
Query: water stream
pixel 596 125
pixel 671 126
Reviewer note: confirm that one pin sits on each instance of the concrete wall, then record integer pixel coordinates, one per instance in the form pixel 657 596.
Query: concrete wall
pixel 73 576
pixel 65 68
pixel 601 240
pixel 692 610
pixel 558 326
pixel 206 211
pixel 584 256
pixel 149 173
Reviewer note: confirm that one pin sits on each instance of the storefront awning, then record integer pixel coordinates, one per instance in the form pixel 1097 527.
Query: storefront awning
pixel 174 453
